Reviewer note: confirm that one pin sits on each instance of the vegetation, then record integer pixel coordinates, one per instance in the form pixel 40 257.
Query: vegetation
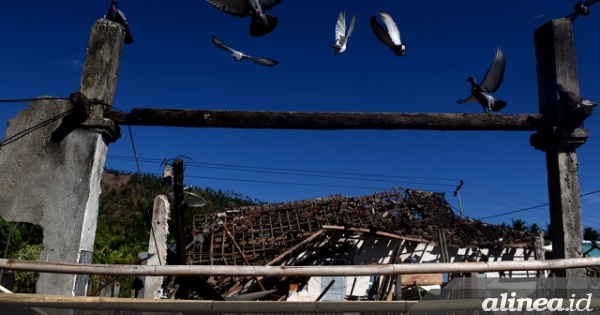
pixel 123 227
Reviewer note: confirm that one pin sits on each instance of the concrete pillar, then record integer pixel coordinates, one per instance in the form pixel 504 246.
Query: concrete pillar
pixel 157 246
pixel 52 164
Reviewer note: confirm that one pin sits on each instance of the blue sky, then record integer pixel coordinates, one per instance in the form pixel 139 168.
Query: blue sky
pixel 173 64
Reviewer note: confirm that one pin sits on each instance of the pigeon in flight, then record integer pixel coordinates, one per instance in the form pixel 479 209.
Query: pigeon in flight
pixel 482 93
pixel 238 55
pixel 571 99
pixel 261 23
pixel 116 15
pixel 391 37
pixel 341 38
pixel 581 8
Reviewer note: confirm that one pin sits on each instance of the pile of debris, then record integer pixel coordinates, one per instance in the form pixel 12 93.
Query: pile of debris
pixel 265 231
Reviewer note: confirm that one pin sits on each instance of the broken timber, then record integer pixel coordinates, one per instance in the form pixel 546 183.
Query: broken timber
pixel 324 120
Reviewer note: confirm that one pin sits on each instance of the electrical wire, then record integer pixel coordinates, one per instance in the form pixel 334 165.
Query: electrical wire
pixel 144 194
pixel 267 170
pixel 534 207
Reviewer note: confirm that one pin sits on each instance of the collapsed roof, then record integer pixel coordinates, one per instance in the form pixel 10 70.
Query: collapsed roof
pixel 264 233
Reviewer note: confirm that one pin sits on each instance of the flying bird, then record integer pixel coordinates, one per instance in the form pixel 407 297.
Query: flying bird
pixel 492 80
pixel 572 100
pixel 116 15
pixel 261 23
pixel 238 55
pixel 389 37
pixel 341 37
pixel 581 8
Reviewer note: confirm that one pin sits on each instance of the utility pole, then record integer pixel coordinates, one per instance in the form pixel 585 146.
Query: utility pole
pixel 559 138
pixel 457 195
pixel 180 208
pixel 557 63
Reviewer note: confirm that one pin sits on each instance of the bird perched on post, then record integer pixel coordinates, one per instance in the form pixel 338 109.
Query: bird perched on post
pixel 572 100
pixel 492 80
pixel 389 37
pixel 341 37
pixel 261 23
pixel 116 15
pixel 238 55
pixel 581 8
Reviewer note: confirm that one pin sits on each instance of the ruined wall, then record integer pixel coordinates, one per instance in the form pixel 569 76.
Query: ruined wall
pixel 51 181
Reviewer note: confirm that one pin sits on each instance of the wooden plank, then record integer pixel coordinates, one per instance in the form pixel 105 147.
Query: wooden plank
pixel 287 252
pixel 242 254
pixel 382 233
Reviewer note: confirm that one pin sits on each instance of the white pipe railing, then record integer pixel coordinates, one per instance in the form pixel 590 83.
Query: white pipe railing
pixel 285 271
pixel 246 307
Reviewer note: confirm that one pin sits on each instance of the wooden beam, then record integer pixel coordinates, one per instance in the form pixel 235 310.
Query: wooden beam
pixel 242 254
pixel 323 120
pixel 287 252
pixel 381 233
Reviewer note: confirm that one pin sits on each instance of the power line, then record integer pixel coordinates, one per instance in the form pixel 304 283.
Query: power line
pixel 144 195
pixel 534 207
pixel 503 194
pixel 281 183
pixel 295 170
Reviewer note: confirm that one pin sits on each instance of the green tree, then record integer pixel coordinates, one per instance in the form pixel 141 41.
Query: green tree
pixel 25 281
pixel 590 234
pixel 519 225
pixel 535 228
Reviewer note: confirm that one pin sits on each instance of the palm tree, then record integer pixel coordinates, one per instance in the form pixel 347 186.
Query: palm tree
pixel 590 234
pixel 535 229
pixel 519 225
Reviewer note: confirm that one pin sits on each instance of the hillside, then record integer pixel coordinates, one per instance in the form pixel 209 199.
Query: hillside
pixel 123 227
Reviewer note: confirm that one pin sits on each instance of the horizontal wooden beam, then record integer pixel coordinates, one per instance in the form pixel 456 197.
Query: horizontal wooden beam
pixel 323 120
pixel 292 271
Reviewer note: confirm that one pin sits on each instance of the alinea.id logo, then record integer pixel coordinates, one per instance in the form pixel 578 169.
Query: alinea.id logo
pixel 504 303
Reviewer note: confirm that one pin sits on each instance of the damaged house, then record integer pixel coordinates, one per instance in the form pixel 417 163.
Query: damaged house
pixel 394 226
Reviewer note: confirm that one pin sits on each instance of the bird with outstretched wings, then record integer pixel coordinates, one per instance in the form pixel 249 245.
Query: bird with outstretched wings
pixel 341 35
pixel 390 35
pixel 482 93
pixel 260 23
pixel 239 56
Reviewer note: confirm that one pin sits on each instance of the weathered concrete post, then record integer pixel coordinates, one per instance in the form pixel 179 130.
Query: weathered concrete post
pixel 51 169
pixel 557 63
pixel 157 246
